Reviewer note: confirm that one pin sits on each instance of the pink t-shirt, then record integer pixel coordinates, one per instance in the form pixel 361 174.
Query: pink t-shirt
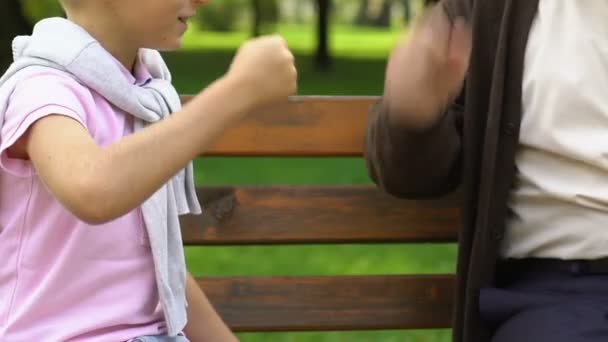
pixel 60 278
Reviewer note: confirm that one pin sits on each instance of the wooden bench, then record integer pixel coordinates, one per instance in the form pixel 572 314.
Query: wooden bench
pixel 273 215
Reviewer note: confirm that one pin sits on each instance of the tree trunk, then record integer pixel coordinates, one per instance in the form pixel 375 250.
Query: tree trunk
pixel 298 9
pixel 257 17
pixel 384 19
pixel 361 19
pixel 323 57
pixel 374 13
pixel 407 11
pixel 12 23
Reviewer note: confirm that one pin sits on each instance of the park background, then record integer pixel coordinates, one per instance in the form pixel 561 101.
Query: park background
pixel 341 48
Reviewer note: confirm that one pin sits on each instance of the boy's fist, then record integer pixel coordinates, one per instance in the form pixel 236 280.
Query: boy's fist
pixel 264 71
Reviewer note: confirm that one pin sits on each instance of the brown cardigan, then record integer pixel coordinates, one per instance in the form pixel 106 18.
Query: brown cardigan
pixel 473 147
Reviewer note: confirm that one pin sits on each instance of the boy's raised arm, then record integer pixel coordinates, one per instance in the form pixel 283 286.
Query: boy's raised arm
pixel 99 185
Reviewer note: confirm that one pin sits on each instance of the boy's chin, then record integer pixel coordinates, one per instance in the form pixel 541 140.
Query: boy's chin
pixel 169 46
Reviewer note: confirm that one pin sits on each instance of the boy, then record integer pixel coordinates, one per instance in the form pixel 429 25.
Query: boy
pixel 94 172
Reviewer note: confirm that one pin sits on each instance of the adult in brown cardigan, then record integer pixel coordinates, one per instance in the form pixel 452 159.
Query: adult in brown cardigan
pixel 451 117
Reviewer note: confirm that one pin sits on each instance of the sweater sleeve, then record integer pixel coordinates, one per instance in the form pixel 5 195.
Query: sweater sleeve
pixel 414 164
pixel 418 164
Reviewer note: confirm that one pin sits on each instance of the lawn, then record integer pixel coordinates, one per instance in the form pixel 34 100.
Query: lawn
pixel 358 69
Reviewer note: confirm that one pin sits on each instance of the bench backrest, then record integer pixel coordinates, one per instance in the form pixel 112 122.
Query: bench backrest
pixel 273 215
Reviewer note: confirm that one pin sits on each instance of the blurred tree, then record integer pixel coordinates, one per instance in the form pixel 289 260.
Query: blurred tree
pixel 221 15
pixel 384 18
pixel 407 11
pixel 264 15
pixel 361 12
pixel 299 11
pixel 256 21
pixel 36 10
pixel 12 23
pixel 375 13
pixel 323 57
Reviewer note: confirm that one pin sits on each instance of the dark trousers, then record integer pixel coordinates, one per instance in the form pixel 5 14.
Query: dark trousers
pixel 553 302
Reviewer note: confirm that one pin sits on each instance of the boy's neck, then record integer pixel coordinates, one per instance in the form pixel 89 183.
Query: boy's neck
pixel 115 43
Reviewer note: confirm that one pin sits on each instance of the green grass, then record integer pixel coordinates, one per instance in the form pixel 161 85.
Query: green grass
pixel 345 40
pixel 358 69
pixel 350 76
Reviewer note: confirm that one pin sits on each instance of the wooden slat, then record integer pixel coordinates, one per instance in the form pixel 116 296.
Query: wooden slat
pixel 304 126
pixel 333 303
pixel 323 214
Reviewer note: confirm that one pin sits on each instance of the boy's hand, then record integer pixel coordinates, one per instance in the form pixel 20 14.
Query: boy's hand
pixel 425 73
pixel 263 71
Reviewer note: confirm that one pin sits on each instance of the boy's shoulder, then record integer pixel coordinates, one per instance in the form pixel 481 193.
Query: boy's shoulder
pixel 48 83
pixel 38 89
pixel 49 77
